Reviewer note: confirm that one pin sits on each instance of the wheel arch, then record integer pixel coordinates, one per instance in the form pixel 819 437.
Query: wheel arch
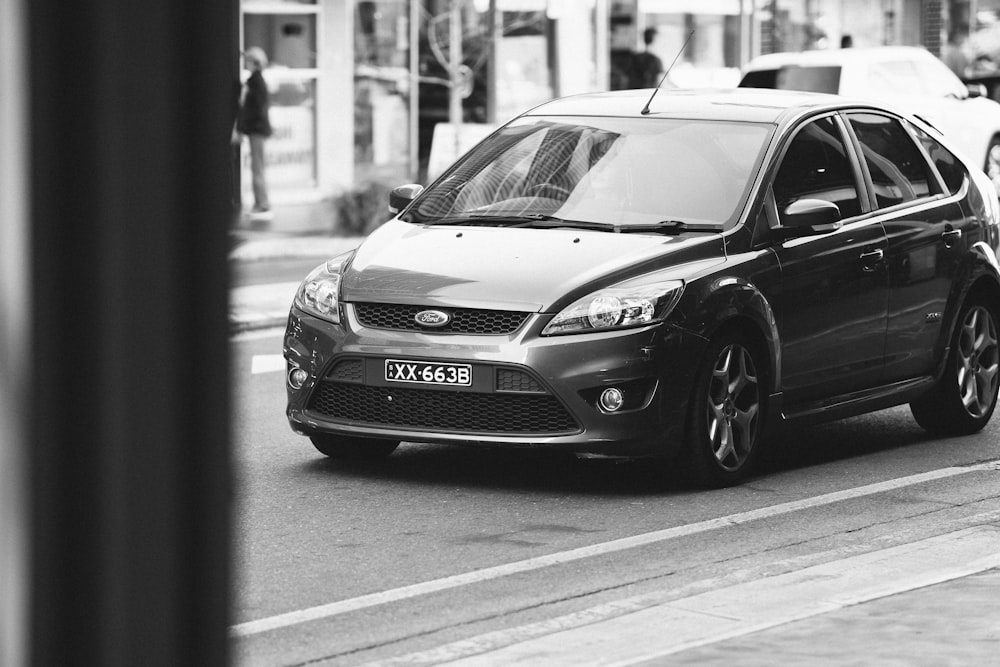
pixel 982 281
pixel 736 305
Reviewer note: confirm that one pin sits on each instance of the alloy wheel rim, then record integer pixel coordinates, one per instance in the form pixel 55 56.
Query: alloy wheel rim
pixel 733 407
pixel 978 362
pixel 993 165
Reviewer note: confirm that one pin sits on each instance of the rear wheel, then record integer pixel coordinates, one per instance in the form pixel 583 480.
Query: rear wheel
pixel 726 413
pixel 964 398
pixel 341 447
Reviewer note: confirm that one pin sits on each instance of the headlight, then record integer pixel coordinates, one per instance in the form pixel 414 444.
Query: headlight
pixel 628 305
pixel 319 293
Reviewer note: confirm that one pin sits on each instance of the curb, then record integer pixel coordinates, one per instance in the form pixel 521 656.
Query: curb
pixel 257 307
pixel 319 247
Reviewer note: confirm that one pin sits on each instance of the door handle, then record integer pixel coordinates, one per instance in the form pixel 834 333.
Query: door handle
pixel 950 236
pixel 870 259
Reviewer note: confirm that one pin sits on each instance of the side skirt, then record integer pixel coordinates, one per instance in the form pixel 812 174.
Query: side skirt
pixel 857 403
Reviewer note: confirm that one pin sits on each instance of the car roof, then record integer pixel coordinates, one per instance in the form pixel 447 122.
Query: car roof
pixel 847 56
pixel 733 104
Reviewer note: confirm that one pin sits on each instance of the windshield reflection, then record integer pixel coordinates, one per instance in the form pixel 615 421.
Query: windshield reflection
pixel 604 170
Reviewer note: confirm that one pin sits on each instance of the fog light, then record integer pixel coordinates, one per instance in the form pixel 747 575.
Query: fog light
pixel 297 377
pixel 612 399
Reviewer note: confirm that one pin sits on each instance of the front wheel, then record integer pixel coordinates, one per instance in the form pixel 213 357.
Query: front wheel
pixel 341 447
pixel 963 400
pixel 726 413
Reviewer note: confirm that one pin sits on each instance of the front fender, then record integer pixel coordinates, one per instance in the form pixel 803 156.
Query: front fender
pixel 732 300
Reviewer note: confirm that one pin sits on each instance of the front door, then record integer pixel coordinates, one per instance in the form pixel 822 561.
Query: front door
pixel 832 299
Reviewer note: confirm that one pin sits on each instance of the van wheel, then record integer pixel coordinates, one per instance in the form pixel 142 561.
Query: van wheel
pixel 963 400
pixel 726 413
pixel 340 447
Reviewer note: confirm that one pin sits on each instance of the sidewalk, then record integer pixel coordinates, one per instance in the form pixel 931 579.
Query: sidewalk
pixel 935 601
pixel 292 233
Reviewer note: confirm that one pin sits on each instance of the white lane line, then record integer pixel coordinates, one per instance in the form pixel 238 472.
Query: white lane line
pixel 747 608
pixel 353 604
pixel 267 363
pixel 500 639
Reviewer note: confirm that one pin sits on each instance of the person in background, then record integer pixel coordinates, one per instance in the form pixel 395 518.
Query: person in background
pixel 253 120
pixel 648 67
pixel 955 55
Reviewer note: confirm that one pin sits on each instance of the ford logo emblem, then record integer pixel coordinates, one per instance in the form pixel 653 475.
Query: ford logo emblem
pixel 432 318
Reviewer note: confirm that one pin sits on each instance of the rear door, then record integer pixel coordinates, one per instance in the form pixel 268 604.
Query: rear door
pixel 919 205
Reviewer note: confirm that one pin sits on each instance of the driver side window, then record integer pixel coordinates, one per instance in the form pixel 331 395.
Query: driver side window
pixel 816 166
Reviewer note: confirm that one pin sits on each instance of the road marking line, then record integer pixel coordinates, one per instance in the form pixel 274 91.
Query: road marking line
pixel 267 363
pixel 500 639
pixel 354 604
pixel 744 609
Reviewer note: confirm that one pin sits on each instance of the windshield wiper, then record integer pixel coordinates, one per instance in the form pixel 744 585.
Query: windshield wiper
pixel 521 220
pixel 672 227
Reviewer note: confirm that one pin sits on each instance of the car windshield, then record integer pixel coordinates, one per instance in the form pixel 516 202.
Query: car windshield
pixel 611 171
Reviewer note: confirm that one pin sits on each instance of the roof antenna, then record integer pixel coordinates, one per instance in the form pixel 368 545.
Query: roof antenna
pixel 645 109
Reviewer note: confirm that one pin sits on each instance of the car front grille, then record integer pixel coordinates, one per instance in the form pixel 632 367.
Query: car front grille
pixel 400 317
pixel 444 411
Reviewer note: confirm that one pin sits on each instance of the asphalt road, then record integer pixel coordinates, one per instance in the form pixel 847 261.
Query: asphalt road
pixel 523 557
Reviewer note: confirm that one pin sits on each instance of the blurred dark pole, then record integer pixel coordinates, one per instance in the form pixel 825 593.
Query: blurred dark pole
pixel 131 110
pixel 455 31
pixel 494 26
pixel 14 336
pixel 414 87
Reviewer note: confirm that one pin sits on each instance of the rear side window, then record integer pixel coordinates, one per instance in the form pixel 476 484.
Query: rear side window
pixel 762 78
pixel 898 171
pixel 951 169
pixel 816 166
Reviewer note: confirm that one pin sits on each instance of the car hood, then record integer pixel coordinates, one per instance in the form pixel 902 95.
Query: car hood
pixel 510 268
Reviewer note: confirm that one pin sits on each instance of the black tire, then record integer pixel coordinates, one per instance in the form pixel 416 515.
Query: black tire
pixel 341 447
pixel 727 412
pixel 963 400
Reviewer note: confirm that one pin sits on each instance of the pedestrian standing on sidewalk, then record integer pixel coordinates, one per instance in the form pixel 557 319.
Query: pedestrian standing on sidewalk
pixel 252 120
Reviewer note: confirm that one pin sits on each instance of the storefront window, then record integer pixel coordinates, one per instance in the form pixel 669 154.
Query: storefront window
pixel 287 32
pixel 289 39
pixel 381 89
pixel 523 60
pixel 704 37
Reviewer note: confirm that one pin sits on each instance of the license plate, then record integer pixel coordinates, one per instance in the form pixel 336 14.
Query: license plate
pixel 419 372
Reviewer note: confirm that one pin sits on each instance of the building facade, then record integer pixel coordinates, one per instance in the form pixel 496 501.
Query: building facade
pixel 360 88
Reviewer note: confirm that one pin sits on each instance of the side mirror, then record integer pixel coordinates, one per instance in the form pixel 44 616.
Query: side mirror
pixel 977 90
pixel 402 196
pixel 811 216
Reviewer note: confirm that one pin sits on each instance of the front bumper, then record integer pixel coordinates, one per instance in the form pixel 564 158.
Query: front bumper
pixel 527 390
